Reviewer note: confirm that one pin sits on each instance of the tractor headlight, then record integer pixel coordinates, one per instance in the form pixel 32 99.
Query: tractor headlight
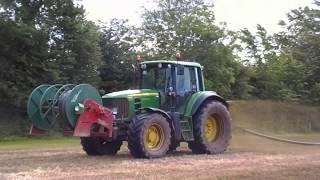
pixel 77 108
pixel 114 110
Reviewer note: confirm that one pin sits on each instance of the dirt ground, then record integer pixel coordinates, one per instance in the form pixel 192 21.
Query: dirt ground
pixel 248 157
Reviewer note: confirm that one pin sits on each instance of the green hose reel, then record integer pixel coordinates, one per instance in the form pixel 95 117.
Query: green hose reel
pixel 49 105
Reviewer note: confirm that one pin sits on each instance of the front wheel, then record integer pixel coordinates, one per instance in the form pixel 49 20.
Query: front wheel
pixel 149 136
pixel 95 146
pixel 212 129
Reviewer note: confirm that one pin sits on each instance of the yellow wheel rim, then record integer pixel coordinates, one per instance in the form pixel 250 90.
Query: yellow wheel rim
pixel 153 136
pixel 211 128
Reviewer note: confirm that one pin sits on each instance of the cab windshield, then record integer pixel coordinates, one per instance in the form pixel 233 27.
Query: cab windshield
pixel 155 76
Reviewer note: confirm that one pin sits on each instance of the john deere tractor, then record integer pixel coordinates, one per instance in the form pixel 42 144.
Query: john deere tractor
pixel 171 106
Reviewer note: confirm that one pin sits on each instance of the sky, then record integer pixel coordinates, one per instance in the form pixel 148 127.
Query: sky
pixel 238 14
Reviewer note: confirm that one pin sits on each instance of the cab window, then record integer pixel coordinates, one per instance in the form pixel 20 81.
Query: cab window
pixel 155 78
pixel 187 82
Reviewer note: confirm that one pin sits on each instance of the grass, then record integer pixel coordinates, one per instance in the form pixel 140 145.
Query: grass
pixel 275 117
pixel 272 118
pixel 249 157
pixel 30 142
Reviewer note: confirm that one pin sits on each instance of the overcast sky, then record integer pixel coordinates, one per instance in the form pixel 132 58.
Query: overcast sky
pixel 237 13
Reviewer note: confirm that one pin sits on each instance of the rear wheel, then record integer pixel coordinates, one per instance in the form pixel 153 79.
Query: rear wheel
pixel 95 146
pixel 149 136
pixel 212 131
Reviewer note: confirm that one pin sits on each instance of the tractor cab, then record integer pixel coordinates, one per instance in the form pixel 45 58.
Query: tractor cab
pixel 175 81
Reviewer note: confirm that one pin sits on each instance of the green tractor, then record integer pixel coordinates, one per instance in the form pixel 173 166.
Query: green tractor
pixel 171 106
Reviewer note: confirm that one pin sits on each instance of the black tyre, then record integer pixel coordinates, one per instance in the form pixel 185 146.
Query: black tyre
pixel 212 129
pixel 95 146
pixel 174 143
pixel 173 146
pixel 149 136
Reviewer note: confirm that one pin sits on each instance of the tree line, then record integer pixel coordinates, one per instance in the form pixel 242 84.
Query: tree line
pixel 44 41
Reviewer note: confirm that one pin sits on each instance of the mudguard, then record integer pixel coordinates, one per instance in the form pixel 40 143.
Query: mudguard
pixel 173 121
pixel 160 111
pixel 198 98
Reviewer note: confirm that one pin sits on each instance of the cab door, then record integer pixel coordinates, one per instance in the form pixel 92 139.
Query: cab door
pixel 186 85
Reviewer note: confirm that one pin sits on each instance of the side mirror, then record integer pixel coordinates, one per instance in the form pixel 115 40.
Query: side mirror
pixel 133 67
pixel 102 92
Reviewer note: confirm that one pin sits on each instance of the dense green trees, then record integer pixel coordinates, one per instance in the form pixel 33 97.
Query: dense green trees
pixel 117 43
pixel 302 38
pixel 22 62
pixel 44 41
pixel 285 65
pixel 188 26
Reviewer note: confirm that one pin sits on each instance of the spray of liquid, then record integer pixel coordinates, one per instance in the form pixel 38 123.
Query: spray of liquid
pixel 284 120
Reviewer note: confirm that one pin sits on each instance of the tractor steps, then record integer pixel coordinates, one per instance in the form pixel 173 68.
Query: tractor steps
pixel 186 128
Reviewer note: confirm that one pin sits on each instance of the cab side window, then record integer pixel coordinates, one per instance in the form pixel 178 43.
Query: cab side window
pixel 193 79
pixel 187 82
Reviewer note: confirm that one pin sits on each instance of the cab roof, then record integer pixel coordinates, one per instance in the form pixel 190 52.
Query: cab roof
pixel 185 63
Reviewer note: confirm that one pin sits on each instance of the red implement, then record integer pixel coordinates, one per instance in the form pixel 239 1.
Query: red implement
pixel 38 132
pixel 94 114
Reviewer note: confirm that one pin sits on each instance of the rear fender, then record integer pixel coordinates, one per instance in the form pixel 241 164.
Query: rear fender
pixel 197 99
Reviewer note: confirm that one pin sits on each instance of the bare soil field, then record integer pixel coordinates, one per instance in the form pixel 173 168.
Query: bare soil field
pixel 248 157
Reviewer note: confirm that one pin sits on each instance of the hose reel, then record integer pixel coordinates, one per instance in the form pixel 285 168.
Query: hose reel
pixel 51 105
